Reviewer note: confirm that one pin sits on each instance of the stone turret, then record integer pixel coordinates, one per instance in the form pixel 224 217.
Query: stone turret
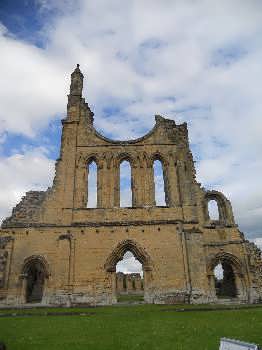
pixel 76 86
pixel 77 107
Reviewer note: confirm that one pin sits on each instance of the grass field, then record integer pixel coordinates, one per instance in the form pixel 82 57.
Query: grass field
pixel 126 298
pixel 154 327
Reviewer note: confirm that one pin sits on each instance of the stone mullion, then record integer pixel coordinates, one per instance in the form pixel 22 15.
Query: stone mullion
pixel 85 186
pixel 149 186
pixel 81 187
pixel 166 183
pixel 100 183
pixel 183 183
pixel 136 186
pixel 116 185
pixel 108 186
pixel 103 176
pixel 143 188
pixel 145 182
pixel 173 187
pixel 141 182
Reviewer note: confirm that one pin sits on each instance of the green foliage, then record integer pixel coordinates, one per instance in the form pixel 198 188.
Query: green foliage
pixel 147 327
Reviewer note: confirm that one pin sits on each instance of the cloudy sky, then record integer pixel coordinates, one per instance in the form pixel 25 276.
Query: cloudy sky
pixel 195 61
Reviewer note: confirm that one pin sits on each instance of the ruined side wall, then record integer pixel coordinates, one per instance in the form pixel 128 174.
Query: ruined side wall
pixel 76 262
pixel 27 210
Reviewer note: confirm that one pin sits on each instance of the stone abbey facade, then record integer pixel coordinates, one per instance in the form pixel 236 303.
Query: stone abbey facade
pixel 54 250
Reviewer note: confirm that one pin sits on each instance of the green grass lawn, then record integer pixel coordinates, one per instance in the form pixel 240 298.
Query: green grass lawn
pixel 130 327
pixel 130 298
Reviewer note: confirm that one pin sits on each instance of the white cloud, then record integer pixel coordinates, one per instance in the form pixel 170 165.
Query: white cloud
pixel 21 172
pixel 129 264
pixel 258 242
pixel 195 61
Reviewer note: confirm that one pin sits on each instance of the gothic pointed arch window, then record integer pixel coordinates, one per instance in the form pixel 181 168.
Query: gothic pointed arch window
pixel 217 209
pixel 125 177
pixel 92 184
pixel 159 183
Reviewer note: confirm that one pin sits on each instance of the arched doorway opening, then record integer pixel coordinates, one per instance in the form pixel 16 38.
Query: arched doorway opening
pixel 129 279
pixel 227 280
pixel 129 249
pixel 35 274
pixel 225 283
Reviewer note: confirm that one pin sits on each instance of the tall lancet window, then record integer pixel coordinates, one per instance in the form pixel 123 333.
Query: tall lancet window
pixel 92 185
pixel 125 184
pixel 160 196
pixel 213 210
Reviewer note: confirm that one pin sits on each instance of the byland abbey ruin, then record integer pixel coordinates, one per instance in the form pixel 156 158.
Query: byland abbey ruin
pixel 55 250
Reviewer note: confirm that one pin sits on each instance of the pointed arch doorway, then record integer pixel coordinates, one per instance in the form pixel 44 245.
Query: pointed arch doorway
pixel 227 278
pixel 140 254
pixel 35 272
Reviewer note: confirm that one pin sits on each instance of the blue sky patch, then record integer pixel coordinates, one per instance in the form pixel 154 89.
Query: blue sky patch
pixel 227 56
pixel 49 138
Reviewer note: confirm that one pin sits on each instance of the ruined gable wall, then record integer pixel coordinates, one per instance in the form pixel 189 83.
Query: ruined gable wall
pixel 75 242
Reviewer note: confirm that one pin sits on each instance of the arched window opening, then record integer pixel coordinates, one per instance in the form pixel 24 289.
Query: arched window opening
pixel 92 185
pixel 225 280
pixel 160 196
pixel 125 184
pixel 129 278
pixel 213 210
pixel 35 278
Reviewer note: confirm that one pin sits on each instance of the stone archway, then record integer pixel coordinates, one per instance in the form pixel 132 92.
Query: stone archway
pixel 234 285
pixel 34 273
pixel 225 213
pixel 140 254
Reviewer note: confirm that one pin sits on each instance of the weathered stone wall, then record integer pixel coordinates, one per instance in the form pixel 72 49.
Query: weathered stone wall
pixel 77 248
pixel 27 211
